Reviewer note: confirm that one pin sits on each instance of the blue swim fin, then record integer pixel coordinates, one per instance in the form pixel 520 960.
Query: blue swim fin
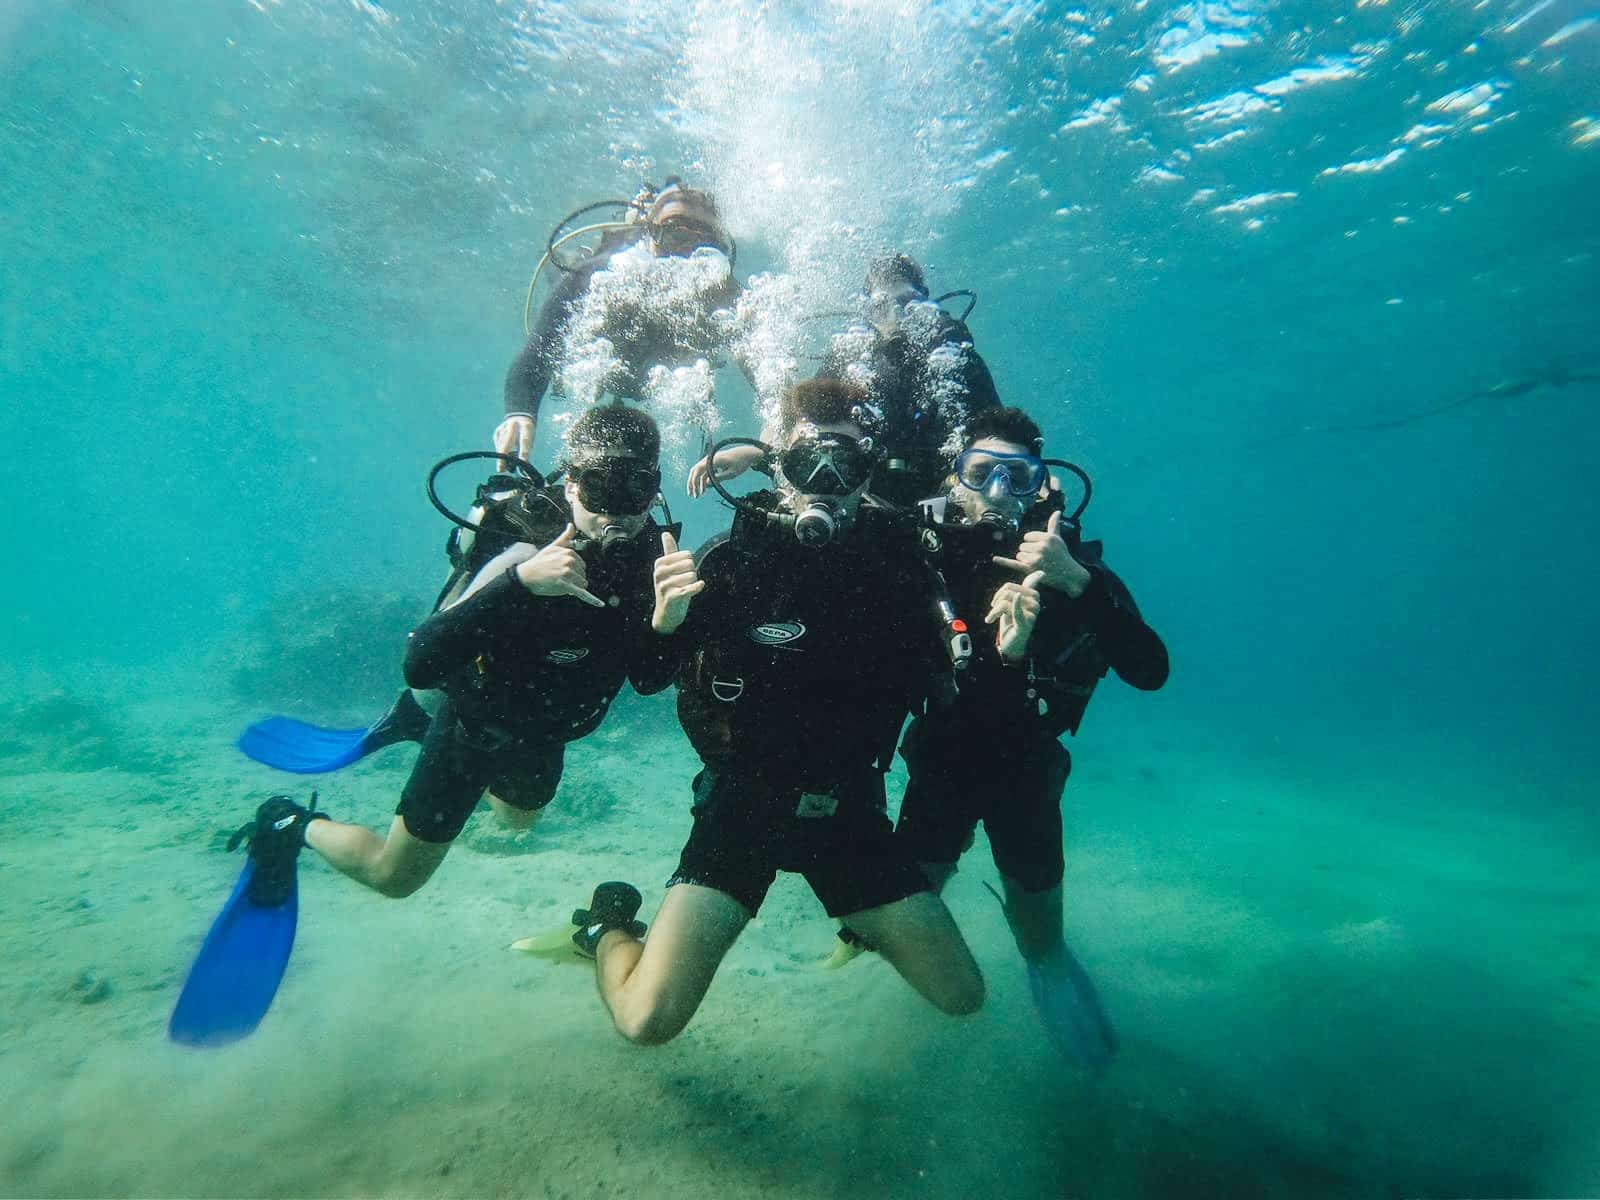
pixel 236 974
pixel 1070 1008
pixel 292 745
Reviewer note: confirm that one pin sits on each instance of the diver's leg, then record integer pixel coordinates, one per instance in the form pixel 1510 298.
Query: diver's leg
pixel 527 784
pixel 865 872
pixel 395 866
pixel 1025 836
pixel 935 826
pixel 938 873
pixel 940 810
pixel 445 783
pixel 653 987
pixel 1035 918
pixel 513 817
pixel 919 938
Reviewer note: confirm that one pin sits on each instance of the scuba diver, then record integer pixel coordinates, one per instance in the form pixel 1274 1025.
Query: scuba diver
pixel 559 597
pixel 1062 619
pixel 673 222
pixel 924 381
pixel 529 657
pixel 810 643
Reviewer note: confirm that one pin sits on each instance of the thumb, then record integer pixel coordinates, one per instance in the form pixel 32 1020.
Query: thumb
pixel 669 544
pixel 566 537
pixel 1031 583
pixel 1053 526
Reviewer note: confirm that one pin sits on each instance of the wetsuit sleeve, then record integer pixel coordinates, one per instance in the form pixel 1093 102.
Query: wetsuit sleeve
pixel 530 371
pixel 977 384
pixel 981 392
pixel 453 637
pixel 1106 609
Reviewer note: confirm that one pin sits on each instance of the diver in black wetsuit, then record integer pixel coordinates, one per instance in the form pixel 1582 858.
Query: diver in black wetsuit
pixel 529 657
pixel 800 660
pixel 1062 619
pixel 923 377
pixel 678 221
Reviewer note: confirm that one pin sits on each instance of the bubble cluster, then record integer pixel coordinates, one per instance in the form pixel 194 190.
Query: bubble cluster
pixel 940 386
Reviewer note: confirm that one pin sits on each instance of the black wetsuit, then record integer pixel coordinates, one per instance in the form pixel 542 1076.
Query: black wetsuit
pixel 640 344
pixel 916 379
pixel 799 667
pixel 993 755
pixel 524 675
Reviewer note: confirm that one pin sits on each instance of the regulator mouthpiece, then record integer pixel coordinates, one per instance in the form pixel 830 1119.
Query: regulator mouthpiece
pixel 613 537
pixel 816 525
pixel 999 522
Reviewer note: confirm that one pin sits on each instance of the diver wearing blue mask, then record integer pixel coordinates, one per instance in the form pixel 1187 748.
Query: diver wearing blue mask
pixel 1058 620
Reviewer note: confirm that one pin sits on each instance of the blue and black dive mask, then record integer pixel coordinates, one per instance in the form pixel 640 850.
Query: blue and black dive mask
pixel 1012 484
pixel 1002 477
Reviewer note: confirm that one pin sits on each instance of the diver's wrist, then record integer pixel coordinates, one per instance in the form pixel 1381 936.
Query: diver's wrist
pixel 1071 577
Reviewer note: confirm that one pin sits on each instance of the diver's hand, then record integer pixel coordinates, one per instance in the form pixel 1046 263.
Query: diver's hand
pixel 557 570
pixel 1044 550
pixel 677 583
pixel 725 465
pixel 1014 612
pixel 514 435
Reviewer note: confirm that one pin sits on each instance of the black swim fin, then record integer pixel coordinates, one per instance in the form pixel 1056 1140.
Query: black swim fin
pixel 615 906
pixel 304 749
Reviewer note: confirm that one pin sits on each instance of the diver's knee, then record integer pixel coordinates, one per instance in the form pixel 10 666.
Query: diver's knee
pixel 398 888
pixel 402 879
pixel 963 996
pixel 652 1024
pixel 513 816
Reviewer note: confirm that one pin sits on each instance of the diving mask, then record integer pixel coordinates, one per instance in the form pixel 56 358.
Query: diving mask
pixel 617 486
pixel 830 464
pixel 680 236
pixel 1001 477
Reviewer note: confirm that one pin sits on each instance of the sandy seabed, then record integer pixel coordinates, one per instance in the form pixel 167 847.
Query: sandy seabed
pixel 1325 985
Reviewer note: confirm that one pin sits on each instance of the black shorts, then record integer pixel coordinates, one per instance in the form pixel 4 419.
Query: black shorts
pixel 458 764
pixel 956 781
pixel 746 831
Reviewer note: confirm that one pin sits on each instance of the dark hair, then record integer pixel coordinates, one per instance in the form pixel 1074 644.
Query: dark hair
pixel 890 269
pixel 614 430
pixel 820 401
pixel 1005 425
pixel 693 198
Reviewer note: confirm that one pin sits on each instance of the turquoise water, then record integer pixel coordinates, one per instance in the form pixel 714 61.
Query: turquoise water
pixel 1310 289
